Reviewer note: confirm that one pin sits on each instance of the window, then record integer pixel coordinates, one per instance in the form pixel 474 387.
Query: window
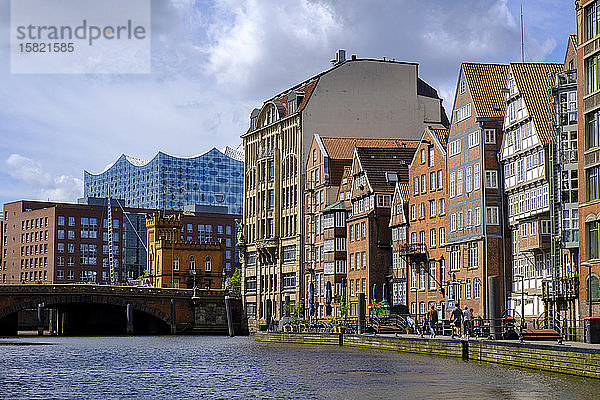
pixel 468 179
pixel 592 21
pixel 455 258
pixel 432 273
pixel 432 208
pixel 289 253
pixel 593 288
pixel 71 221
pixel 476 288
pixel 490 136
pixel 463 86
pixel 473 139
pixel 176 263
pixel 453 222
pixel 422 156
pixel 416 185
pixel 61 220
pixel 432 181
pixel 468 289
pixel 423 183
pixel 476 176
pixel 472 255
pixel 454 148
pixel 442 236
pixel 462 113
pixel 491 179
pixel 440 183
pixel 452 187
pixel 60 274
pixel 432 242
pixel 431 156
pixel 492 215
pixel 459 182
pixel 442 207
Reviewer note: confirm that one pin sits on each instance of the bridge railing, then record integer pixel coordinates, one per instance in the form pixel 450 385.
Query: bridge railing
pixel 107 290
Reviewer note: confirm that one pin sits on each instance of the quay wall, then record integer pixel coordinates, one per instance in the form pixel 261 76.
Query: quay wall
pixel 565 359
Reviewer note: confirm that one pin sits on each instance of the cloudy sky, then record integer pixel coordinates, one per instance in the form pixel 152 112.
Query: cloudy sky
pixel 214 61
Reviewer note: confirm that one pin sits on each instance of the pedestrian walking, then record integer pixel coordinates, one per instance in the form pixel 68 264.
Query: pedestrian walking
pixel 456 320
pixel 433 319
pixel 467 317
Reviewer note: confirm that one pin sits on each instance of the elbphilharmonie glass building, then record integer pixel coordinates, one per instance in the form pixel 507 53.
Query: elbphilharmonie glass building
pixel 170 183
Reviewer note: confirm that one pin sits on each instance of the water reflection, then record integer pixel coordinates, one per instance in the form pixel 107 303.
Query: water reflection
pixel 216 367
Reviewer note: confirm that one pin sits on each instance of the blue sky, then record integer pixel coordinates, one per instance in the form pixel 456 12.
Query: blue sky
pixel 214 61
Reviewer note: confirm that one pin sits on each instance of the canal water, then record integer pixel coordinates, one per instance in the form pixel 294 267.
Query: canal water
pixel 183 367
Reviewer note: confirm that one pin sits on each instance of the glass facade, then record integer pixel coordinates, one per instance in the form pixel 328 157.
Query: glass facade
pixel 170 183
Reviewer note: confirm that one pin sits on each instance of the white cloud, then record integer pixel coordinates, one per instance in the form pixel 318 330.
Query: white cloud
pixel 30 172
pixel 215 60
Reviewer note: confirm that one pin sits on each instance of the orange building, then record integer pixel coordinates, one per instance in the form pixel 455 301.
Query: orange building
pixel 177 263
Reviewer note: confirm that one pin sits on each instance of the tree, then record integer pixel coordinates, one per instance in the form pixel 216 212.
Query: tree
pixel 236 278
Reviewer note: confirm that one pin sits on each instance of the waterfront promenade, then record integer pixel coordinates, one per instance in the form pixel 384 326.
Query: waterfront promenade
pixel 574 358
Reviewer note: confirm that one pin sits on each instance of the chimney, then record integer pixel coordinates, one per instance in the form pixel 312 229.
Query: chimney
pixel 340 57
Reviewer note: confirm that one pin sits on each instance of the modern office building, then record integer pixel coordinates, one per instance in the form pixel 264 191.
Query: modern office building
pixel 355 98
pixel 477 245
pixel 171 183
pixel 588 125
pixel 526 159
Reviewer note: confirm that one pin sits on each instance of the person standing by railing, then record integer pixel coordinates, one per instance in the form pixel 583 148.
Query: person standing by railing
pixel 433 319
pixel 467 318
pixel 456 319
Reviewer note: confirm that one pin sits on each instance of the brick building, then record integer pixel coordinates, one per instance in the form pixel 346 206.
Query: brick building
pixel 68 243
pixel 525 154
pixel 399 228
pixel 425 253
pixel 588 98
pixel 375 173
pixel 477 244
pixel 357 98
pixel 175 262
pixel 325 209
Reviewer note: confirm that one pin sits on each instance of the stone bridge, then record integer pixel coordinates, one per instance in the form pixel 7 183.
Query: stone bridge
pixel 100 309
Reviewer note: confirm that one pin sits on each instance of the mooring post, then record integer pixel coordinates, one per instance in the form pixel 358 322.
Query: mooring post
pixel 229 318
pixel 361 313
pixel 173 322
pixel 129 319
pixel 40 319
pixel 51 321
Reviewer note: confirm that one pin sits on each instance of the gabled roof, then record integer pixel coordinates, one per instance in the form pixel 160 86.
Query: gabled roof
pixel 376 162
pixel 485 82
pixel 533 80
pixel 441 135
pixel 573 40
pixel 342 148
pixel 404 191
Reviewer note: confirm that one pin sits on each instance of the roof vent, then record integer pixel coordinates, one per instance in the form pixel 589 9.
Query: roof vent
pixel 340 57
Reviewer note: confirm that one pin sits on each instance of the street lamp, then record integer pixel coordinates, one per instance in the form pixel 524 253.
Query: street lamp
pixel 522 300
pixel 589 286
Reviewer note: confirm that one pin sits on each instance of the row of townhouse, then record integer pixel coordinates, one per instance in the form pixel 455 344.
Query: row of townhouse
pixel 483 211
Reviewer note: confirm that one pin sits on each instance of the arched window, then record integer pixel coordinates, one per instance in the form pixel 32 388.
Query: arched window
pixel 476 288
pixel 593 288
pixel 176 263
pixel 192 262
pixel 208 264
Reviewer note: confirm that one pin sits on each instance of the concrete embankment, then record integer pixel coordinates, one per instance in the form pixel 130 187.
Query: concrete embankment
pixel 574 359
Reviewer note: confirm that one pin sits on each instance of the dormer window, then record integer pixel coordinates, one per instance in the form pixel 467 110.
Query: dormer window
pixel 391 176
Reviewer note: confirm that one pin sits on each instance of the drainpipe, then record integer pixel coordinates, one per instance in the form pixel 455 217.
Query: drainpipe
pixel 484 225
pixel 503 225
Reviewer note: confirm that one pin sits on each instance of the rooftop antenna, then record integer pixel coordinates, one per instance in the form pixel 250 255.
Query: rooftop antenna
pixel 522 37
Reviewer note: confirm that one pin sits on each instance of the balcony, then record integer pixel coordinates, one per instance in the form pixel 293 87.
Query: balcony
pixel 267 243
pixel 568 156
pixel 566 78
pixel 413 249
pixel 561 289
